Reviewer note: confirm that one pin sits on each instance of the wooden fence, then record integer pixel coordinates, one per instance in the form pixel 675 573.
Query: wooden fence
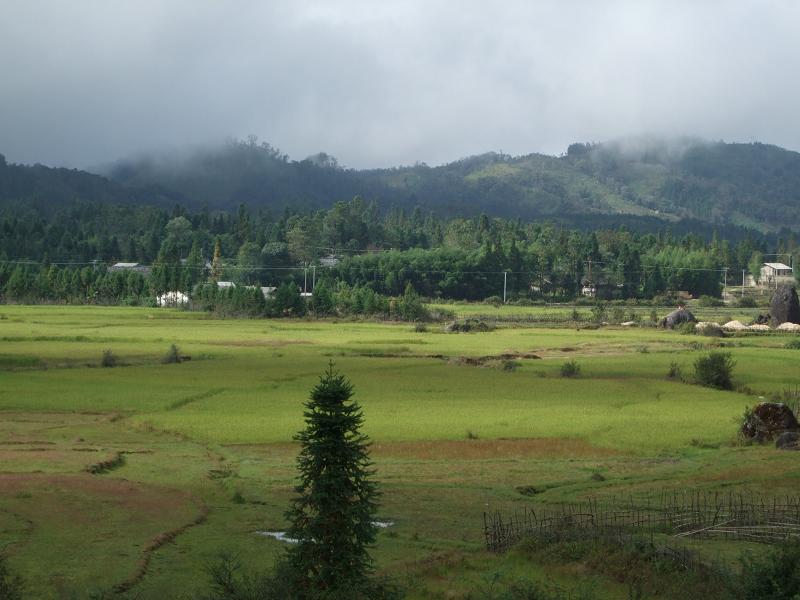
pixel 738 516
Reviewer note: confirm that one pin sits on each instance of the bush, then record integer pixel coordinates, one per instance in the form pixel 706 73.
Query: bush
pixel 674 371
pixel 686 328
pixel 227 582
pixel 420 328
pixel 599 312
pixel 715 370
pixel 495 300
pixel 775 576
pixel 108 360
pixel 11 586
pixel 709 301
pixel 617 315
pixel 570 369
pixel 793 344
pixel 409 306
pixel 172 356
pixel 747 302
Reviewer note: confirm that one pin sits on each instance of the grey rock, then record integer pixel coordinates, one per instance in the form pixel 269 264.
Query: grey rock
pixel 677 317
pixel 785 307
pixel 789 440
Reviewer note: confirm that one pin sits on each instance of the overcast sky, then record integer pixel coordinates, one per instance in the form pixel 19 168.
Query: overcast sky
pixel 381 83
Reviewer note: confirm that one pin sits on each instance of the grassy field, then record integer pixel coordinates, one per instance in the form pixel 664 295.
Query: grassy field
pixel 204 455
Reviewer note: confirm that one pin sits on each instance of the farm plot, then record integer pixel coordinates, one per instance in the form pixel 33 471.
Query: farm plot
pixel 210 439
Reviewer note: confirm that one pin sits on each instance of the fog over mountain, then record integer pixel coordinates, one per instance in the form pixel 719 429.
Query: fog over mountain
pixel 382 84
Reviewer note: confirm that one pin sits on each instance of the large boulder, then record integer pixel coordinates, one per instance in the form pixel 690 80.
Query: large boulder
pixel 785 307
pixel 760 320
pixel 677 317
pixel 788 440
pixel 768 420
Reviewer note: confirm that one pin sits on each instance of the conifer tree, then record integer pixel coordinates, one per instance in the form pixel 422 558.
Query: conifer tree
pixel 216 262
pixel 332 515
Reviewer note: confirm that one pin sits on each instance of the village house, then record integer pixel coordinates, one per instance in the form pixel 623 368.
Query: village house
pixel 773 274
pixel 129 266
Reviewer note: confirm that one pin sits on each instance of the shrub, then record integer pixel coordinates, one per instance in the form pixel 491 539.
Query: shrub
pixel 617 315
pixel 599 312
pixel 409 306
pixel 495 300
pixel 773 576
pixel 793 344
pixel 510 365
pixel 471 435
pixel 227 582
pixel 420 328
pixel 715 370
pixel 11 586
pixel 747 302
pixel 172 356
pixel 709 301
pixel 674 371
pixel 686 328
pixel 108 359
pixel 570 369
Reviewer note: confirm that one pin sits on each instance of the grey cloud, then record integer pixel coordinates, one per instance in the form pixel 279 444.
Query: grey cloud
pixel 379 84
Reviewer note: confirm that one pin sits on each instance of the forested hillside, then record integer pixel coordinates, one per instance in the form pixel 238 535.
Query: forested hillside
pixel 48 189
pixel 754 185
pixel 642 183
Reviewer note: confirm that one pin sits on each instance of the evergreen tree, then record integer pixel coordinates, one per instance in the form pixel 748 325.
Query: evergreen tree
pixel 332 516
pixel 216 262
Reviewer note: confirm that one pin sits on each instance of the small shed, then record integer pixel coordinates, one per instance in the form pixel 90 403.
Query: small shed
pixel 775 273
pixel 129 266
pixel 329 261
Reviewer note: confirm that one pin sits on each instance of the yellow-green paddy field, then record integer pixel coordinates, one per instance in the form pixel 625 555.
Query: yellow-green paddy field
pixel 137 477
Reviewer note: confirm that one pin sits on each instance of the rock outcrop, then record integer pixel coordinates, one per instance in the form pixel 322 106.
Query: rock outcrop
pixel 768 420
pixel 785 307
pixel 677 317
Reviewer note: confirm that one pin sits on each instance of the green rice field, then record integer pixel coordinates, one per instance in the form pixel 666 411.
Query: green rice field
pixel 460 423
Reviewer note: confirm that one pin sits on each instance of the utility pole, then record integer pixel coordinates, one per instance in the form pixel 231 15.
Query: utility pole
pixel 743 283
pixel 305 278
pixel 313 277
pixel 505 280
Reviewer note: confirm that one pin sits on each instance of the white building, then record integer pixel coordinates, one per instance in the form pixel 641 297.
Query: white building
pixel 774 273
pixel 129 266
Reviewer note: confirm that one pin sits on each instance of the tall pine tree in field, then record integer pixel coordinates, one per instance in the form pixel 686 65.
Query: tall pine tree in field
pixel 333 513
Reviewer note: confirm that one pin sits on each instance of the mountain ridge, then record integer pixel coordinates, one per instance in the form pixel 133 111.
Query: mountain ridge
pixel 752 185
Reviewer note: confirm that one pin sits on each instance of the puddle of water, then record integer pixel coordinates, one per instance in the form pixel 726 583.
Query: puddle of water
pixel 281 535
pixel 278 535
pixel 383 524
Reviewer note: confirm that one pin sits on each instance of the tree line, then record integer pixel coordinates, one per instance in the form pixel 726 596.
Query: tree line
pixel 353 253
